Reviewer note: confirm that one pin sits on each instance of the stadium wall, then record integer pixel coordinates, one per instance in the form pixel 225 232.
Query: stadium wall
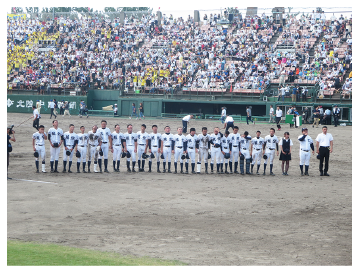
pixel 23 103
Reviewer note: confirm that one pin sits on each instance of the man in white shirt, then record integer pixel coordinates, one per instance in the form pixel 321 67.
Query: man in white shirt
pixel 142 146
pixel 324 146
pixel 185 121
pixel 229 122
pixel 36 117
pixel 52 106
pixel 154 143
pixel 106 138
pixel 278 118
pixel 306 144
pixel 269 147
pixel 117 138
pixel 55 136
pixel 39 148
pixel 166 148
pixel 271 111
pixel 223 114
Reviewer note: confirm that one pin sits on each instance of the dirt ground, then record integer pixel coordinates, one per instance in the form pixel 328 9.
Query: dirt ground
pixel 198 219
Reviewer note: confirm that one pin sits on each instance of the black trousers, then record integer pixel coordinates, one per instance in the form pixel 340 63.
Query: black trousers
pixel 52 113
pixel 184 126
pixel 36 124
pixel 324 156
pixel 328 119
pixel 250 119
pixel 335 120
pixel 229 125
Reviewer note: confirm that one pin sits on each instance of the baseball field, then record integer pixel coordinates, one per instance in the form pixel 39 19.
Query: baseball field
pixel 195 219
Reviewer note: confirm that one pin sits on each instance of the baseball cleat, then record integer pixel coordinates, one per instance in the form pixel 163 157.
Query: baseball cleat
pixel 55 171
pixel 182 172
pixel 158 171
pixel 69 171
pixel 52 171
pixel 326 174
pixel 84 171
pixel 37 171
pixel 186 172
pixel 164 171
pixel 236 172
pixel 272 174
pixel 306 173
pixel 301 174
pixel 169 171
pixel 64 170
pixel 106 171
pixel 175 172
pixel 133 170
pixel 264 173
pixel 128 170
pixel 257 173
pixel 226 172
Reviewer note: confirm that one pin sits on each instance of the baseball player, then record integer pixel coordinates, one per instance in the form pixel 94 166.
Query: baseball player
pixel 244 153
pixel 203 150
pixel 94 147
pixel 306 144
pixel 130 146
pixel 269 147
pixel 142 146
pixel 179 150
pixel 55 137
pixel 106 137
pixel 117 138
pixel 83 140
pixel 256 150
pixel 39 147
pixel 70 144
pixel 226 144
pixel 235 140
pixel 166 148
pixel 216 148
pixel 154 143
pixel 190 145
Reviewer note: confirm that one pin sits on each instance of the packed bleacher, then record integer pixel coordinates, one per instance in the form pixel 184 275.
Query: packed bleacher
pixel 176 54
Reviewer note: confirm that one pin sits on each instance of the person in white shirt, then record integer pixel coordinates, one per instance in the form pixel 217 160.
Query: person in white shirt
pixel 130 145
pixel 154 144
pixel 235 140
pixel 203 150
pixel 278 118
pixel 185 121
pixel 142 146
pixel 256 150
pixel 190 145
pixel 36 116
pixel 117 138
pixel 52 106
pixel 306 144
pixel 55 136
pixel 269 147
pixel 83 139
pixel 115 110
pixel 39 148
pixel 166 148
pixel 106 138
pixel 244 151
pixel 216 148
pixel 179 150
pixel 229 123
pixel 70 144
pixel 286 148
pixel 223 114
pixel 324 146
pixel 271 111
pixel 225 152
pixel 94 147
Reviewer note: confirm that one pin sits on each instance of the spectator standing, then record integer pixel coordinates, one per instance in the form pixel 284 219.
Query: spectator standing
pixel 52 106
pixel 115 109
pixel 134 111
pixel 327 117
pixel 223 114
pixel 294 94
pixel 141 111
pixel 66 109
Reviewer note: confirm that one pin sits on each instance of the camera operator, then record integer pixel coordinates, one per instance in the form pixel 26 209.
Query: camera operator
pixel 10 132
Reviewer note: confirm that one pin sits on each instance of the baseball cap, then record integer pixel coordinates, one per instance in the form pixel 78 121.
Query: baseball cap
pixel 10 126
pixel 303 129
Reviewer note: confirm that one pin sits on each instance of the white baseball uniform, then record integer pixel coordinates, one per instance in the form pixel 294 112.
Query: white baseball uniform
pixel 83 140
pixel 257 144
pixel 271 144
pixel 305 149
pixel 117 145
pixel 167 146
pixel 191 147
pixel 225 145
pixel 94 139
pixel 40 145
pixel 70 140
pixel 104 136
pixel 204 144
pixel 244 144
pixel 142 141
pixel 55 137
pixel 155 143
pixel 216 150
pixel 235 139
pixel 178 147
pixel 130 140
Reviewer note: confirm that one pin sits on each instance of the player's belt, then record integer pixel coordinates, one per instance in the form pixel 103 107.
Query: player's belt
pixel 117 144
pixel 244 148
pixel 81 145
pixel 235 145
pixel 257 149
pixel 93 145
pixel 141 144
pixel 179 146
pixel 305 150
pixel 190 147
pixel 216 146
pixel 225 147
pixel 166 145
pixel 40 145
pixel 155 146
pixel 271 148
pixel 324 146
pixel 104 142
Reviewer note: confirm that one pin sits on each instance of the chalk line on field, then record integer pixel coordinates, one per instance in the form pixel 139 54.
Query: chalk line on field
pixel 34 181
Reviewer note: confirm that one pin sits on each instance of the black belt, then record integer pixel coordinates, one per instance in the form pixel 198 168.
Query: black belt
pixel 257 149
pixel 93 145
pixel 155 146
pixel 104 142
pixel 190 147
pixel 117 145
pixel 141 144
pixel 166 145
pixel 216 146
pixel 324 146
pixel 305 150
pixel 271 148
pixel 244 148
pixel 230 122
pixel 235 145
pixel 179 146
pixel 225 147
pixel 40 145
pixel 81 145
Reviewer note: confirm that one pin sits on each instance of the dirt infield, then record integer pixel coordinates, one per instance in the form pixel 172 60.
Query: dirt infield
pixel 197 219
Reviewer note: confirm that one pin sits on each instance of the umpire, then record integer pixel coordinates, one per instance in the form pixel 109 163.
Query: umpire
pixel 324 146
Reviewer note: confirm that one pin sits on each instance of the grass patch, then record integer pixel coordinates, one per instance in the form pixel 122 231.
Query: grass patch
pixel 29 253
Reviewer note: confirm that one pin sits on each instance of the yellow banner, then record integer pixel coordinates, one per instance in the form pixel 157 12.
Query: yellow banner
pixel 16 16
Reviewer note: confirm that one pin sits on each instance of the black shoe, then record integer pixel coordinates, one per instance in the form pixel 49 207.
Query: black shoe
pixel 164 171
pixel 264 173
pixel 222 172
pixel 169 171
pixel 272 174
pixel 306 173
pixel 149 170
pixel 182 172
pixel 78 171
pixel 52 171
pixel 257 173
pixel 158 171
pixel 326 174
pixel 100 171
pixel 321 173
pixel 69 171
pixel 193 172
pixel 230 172
pixel 88 170
pixel 175 172
pixel 211 171
pixel 84 171
pixel 128 170
pixel 302 174
pixel 218 172
pixel 133 170
pixel 286 174
pixel 106 170
pixel 37 171
pixel 236 172
pixel 242 173
pixel 198 173
pixel 55 171
pixel 186 172
pixel 249 173
pixel 226 172
pixel 64 170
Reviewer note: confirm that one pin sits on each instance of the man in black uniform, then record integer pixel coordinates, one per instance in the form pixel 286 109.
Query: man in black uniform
pixel 336 115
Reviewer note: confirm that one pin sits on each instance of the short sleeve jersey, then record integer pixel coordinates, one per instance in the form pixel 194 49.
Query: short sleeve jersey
pixel 117 138
pixel 130 139
pixel 93 138
pixel 235 138
pixel 225 141
pixel 203 140
pixel 39 138
pixel 142 137
pixel 178 140
pixel 167 139
pixel 306 143
pixel 191 140
pixel 104 134
pixel 324 140
pixel 36 113
pixel 55 135
pixel 70 139
pixel 83 139
pixel 271 141
pixel 154 139
pixel 257 143
pixel 245 142
pixel 216 139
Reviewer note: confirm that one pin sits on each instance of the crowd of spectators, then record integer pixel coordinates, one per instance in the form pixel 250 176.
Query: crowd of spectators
pixel 176 53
